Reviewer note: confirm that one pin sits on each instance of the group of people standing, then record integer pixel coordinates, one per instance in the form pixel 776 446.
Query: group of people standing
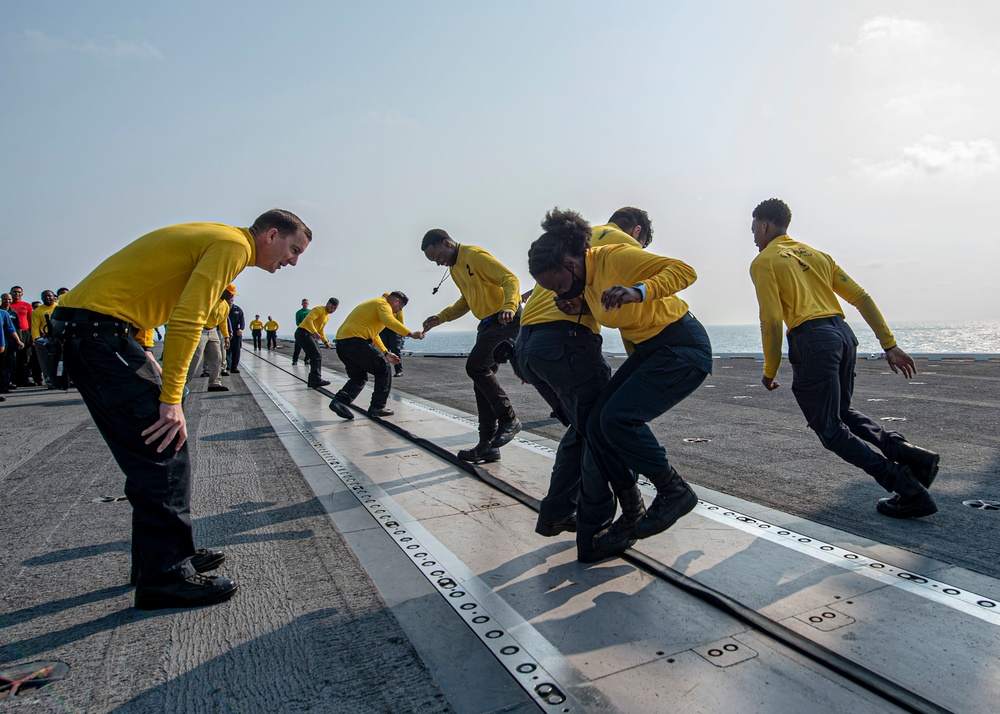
pixel 24 331
pixel 586 278
pixel 258 329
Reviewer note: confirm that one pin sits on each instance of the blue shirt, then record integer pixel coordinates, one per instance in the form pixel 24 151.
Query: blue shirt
pixel 6 327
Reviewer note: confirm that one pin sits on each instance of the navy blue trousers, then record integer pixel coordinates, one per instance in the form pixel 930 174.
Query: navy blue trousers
pixel 823 354
pixel 361 358
pixel 565 364
pixel 660 373
pixel 492 403
pixel 121 388
pixel 234 352
pixel 305 342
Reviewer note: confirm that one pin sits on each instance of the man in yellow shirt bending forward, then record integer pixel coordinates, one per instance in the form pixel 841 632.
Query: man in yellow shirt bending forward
pixel 799 285
pixel 492 293
pixel 174 275
pixel 312 328
pixel 362 351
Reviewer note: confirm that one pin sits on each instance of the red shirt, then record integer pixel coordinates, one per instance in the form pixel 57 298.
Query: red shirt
pixel 23 310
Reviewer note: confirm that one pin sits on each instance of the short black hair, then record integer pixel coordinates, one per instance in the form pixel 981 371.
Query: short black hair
pixel 333 301
pixel 401 295
pixel 433 237
pixel 775 211
pixel 286 222
pixel 566 233
pixel 628 217
pixel 60 291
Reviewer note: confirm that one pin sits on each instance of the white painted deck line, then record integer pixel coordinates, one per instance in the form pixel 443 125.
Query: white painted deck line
pixel 895 634
pixel 970 603
pixel 538 667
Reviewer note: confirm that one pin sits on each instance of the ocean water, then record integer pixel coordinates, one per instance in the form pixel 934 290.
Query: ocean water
pixel 915 337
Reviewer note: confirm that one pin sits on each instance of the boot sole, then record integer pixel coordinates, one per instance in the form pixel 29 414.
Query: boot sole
pixel 204 565
pixel 646 528
pixel 544 529
pixel 480 461
pixel 344 412
pixel 166 603
pixel 925 509
pixel 595 556
pixel 498 442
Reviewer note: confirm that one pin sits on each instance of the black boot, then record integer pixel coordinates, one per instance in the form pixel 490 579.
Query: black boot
pixel 911 499
pixel 922 462
pixel 620 535
pixel 479 454
pixel 563 525
pixel 203 560
pixel 674 498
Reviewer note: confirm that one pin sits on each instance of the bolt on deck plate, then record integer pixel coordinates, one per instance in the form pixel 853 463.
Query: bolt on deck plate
pixel 826 619
pixel 725 653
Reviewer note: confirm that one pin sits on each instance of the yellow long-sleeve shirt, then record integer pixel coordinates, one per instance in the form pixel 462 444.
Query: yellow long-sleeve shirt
pixel 796 283
pixel 256 325
pixel 627 265
pixel 272 325
pixel 370 318
pixel 38 322
pixel 146 339
pixel 174 274
pixel 217 318
pixel 315 322
pixel 487 286
pixel 541 306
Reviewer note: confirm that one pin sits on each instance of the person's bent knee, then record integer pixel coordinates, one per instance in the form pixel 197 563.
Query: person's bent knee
pixel 830 436
pixel 478 369
pixel 596 431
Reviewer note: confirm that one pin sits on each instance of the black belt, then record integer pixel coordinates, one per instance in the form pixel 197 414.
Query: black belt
pixel 565 325
pixel 72 323
pixel 835 320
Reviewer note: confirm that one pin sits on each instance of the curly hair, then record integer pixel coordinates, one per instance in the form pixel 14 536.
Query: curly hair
pixel 628 217
pixel 775 211
pixel 566 233
pixel 433 237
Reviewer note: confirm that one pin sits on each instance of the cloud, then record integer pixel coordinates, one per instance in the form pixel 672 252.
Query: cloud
pixel 886 32
pixel 932 158
pixel 114 48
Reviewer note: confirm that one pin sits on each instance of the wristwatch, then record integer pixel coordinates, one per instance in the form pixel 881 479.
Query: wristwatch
pixel 641 287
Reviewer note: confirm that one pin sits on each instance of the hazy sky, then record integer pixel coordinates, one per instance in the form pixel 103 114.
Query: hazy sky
pixel 876 121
